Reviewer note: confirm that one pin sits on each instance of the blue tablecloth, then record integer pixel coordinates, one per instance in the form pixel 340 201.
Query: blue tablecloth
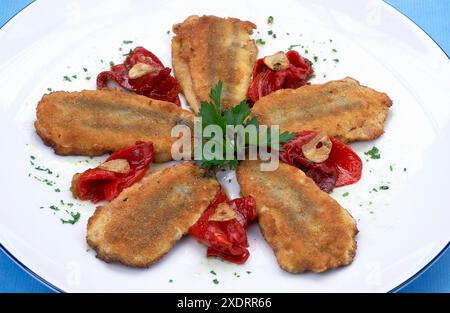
pixel 431 15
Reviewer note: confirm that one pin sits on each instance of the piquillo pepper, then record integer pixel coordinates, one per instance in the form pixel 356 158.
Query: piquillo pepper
pixel 222 227
pixel 342 167
pixel 279 71
pixel 121 170
pixel 143 73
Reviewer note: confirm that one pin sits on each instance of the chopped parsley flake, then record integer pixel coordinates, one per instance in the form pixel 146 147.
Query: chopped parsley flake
pixel 315 58
pixel 129 52
pixel 49 89
pixel 43 169
pixel 236 275
pixel 111 63
pixel 212 272
pixel 216 281
pixel 373 153
pixel 270 20
pixel 88 77
pixel 336 60
pixel 334 50
pixel 57 190
pixel 404 169
pixel 306 51
pixel 170 280
pixel 49 182
pixel 85 69
pixel 391 168
pixel 248 272
pixel 74 76
pixel 271 33
pixel 127 42
pixel 168 32
pixel 345 194
pixel 54 208
pixel 32 157
pixel 293 46
pixel 260 41
pixel 75 217
pixel 384 187
pixel 67 78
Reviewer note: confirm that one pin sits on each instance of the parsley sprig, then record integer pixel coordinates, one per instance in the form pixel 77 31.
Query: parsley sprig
pixel 212 113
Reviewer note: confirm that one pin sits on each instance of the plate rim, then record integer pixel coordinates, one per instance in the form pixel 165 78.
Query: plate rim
pixel 396 289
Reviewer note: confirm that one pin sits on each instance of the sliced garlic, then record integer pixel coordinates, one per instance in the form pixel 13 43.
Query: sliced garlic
pixel 223 213
pixel 117 166
pixel 141 69
pixel 277 62
pixel 318 154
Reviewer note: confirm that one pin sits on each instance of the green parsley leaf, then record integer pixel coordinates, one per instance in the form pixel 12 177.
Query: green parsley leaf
pixel 287 136
pixel 270 20
pixel 212 114
pixel 237 115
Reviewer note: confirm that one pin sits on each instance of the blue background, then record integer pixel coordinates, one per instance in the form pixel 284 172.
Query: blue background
pixel 433 16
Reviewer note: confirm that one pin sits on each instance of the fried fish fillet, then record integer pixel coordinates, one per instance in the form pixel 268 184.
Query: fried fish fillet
pixel 343 108
pixel 207 49
pixel 93 122
pixel 307 229
pixel 144 222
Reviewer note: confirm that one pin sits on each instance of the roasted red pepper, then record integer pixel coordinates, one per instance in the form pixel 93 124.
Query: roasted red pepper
pixel 100 184
pixel 226 239
pixel 267 80
pixel 343 166
pixel 156 83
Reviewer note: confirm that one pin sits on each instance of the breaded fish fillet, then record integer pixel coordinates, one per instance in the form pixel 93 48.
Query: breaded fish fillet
pixel 307 229
pixel 93 122
pixel 342 108
pixel 144 222
pixel 208 49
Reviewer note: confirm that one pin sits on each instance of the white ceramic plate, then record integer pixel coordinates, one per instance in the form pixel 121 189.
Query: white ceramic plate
pixel 401 229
